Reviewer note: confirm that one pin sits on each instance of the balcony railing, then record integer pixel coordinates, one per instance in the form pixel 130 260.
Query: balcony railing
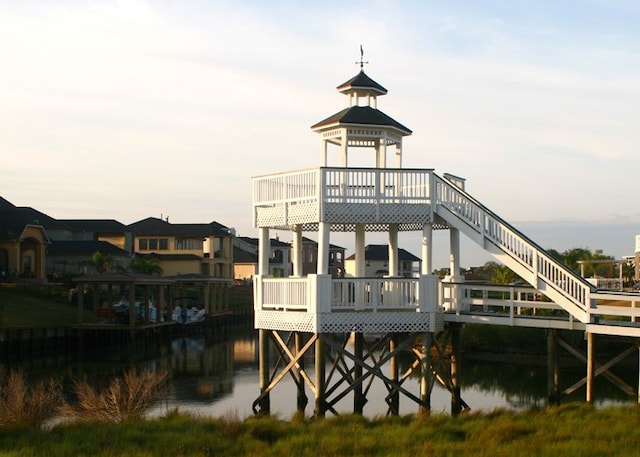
pixel 361 185
pixel 321 293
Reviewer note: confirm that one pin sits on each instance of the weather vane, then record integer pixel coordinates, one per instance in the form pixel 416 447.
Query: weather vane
pixel 361 61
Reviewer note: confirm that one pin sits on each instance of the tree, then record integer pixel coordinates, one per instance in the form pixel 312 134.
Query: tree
pixel 99 262
pixel 146 265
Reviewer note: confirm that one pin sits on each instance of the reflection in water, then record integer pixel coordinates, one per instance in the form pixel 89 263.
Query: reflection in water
pixel 218 378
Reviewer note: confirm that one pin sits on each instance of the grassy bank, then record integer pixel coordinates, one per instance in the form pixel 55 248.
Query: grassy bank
pixel 571 430
pixel 30 307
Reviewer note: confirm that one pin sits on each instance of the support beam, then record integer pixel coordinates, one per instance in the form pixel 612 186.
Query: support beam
pixel 302 399
pixel 553 374
pixel 394 403
pixel 590 355
pixel 456 404
pixel 265 404
pixel 358 396
pixel 425 374
pixel 320 391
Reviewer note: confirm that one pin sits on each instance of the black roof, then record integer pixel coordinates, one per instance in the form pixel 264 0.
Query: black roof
pixel 153 226
pixel 95 225
pixel 14 219
pixel 381 252
pixel 362 81
pixel 362 115
pixel 255 241
pixel 241 256
pixel 83 248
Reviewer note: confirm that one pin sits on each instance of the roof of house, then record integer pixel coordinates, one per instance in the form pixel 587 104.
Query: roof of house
pixel 255 241
pixel 153 226
pixel 95 225
pixel 331 246
pixel 242 256
pixel 14 219
pixel 381 252
pixel 83 248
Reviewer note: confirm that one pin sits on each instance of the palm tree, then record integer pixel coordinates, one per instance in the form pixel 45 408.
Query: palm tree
pixel 99 262
pixel 146 265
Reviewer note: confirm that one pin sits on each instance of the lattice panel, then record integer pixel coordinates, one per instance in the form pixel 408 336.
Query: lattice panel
pixel 270 216
pixel 378 322
pixel 288 321
pixel 369 213
pixel 301 213
pixel 364 322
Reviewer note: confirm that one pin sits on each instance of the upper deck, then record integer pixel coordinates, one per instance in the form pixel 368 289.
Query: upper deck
pixel 342 197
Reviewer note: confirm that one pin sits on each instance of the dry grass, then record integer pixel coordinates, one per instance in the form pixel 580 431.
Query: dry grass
pixel 27 406
pixel 126 398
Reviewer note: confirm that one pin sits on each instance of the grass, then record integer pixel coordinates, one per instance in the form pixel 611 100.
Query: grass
pixel 26 308
pixel 570 430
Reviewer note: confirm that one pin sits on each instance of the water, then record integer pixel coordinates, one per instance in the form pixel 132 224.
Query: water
pixel 221 379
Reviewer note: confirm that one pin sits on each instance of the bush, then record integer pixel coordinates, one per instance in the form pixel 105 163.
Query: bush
pixel 24 406
pixel 126 398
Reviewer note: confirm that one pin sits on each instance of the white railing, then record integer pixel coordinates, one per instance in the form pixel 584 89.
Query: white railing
pixel 354 185
pixel 375 294
pixel 285 294
pixel 350 294
pixel 376 185
pixel 282 188
pixel 496 299
pixel 527 255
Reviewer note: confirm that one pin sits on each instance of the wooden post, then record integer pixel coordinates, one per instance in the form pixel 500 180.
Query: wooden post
pixel 319 410
pixel 265 404
pixel 394 404
pixel 302 396
pixel 425 375
pixel 590 354
pixel 358 397
pixel 456 405
pixel 553 375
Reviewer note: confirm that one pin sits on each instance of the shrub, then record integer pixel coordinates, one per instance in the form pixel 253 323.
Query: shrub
pixel 126 398
pixel 27 406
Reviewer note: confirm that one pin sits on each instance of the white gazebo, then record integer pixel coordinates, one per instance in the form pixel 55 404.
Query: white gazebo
pixel 340 198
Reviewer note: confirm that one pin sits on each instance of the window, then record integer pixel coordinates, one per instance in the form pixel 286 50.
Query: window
pixel 164 244
pixel 153 243
pixel 143 244
pixel 188 244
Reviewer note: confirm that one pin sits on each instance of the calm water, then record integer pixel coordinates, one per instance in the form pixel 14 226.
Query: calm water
pixel 221 378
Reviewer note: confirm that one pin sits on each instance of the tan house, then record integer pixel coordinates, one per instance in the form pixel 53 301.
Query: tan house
pixel 205 249
pixel 23 240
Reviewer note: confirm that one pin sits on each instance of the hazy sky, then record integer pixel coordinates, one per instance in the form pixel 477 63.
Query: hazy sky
pixel 130 109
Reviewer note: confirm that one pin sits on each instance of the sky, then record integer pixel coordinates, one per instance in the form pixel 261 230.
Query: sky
pixel 136 108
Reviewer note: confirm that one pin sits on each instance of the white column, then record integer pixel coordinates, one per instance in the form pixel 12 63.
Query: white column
pixel 399 154
pixel 343 149
pixel 323 248
pixel 427 249
pixel 360 252
pixel 297 251
pixel 263 251
pixel 323 153
pixel 454 256
pixel 393 250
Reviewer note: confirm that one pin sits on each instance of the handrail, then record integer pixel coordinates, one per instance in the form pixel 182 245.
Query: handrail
pixel 516 245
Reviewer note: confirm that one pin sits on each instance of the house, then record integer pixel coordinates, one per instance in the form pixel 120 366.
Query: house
pixel 205 249
pixel 377 262
pixel 23 240
pixel 246 258
pixel 310 258
pixel 64 258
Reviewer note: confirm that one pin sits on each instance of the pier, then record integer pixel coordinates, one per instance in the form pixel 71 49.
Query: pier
pixel 328 319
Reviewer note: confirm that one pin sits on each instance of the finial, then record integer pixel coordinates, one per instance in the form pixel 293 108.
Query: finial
pixel 361 62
